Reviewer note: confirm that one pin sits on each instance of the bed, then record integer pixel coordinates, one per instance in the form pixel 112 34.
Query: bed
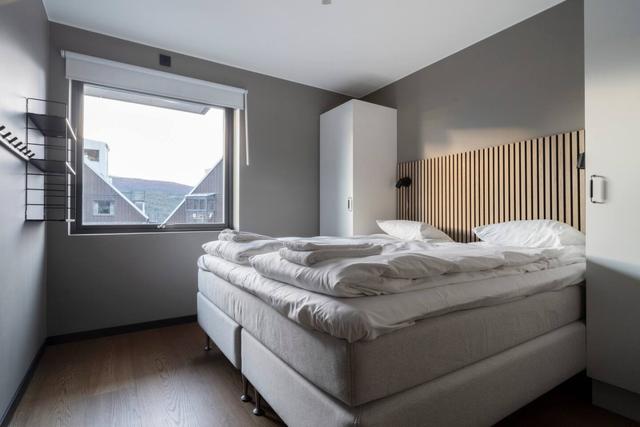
pixel 471 365
pixel 357 370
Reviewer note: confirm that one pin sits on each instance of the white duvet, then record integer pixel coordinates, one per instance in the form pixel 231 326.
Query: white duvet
pixel 410 266
pixel 408 281
pixel 367 318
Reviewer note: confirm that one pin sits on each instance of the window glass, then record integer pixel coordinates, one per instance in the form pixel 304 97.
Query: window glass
pixel 92 155
pixel 145 164
pixel 103 207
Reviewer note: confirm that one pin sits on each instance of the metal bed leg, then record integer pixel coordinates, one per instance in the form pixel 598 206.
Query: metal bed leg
pixel 245 390
pixel 207 342
pixel 257 411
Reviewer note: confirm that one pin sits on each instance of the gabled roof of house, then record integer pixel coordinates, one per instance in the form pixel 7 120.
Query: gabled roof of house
pixel 191 193
pixel 126 199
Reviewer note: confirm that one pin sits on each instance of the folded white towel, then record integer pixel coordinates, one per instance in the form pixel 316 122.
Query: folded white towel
pixel 229 235
pixel 240 252
pixel 309 258
pixel 308 245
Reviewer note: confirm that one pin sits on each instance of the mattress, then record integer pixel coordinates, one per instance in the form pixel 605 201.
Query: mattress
pixel 367 318
pixel 362 371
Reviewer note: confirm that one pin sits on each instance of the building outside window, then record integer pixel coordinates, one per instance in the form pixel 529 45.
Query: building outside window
pixel 103 207
pixel 92 155
pixel 150 163
pixel 200 208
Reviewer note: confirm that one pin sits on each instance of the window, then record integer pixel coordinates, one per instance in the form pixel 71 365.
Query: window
pixel 150 163
pixel 200 208
pixel 92 155
pixel 103 207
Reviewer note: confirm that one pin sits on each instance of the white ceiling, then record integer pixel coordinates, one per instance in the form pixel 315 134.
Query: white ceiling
pixel 351 46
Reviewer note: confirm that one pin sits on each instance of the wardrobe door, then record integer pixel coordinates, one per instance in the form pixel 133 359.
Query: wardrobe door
pixel 336 171
pixel 612 115
pixel 374 166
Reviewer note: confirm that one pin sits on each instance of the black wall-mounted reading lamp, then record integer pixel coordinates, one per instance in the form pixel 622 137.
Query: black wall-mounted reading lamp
pixel 403 182
pixel 581 160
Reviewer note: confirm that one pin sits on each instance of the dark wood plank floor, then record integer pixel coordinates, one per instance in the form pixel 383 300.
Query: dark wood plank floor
pixel 158 377
pixel 162 377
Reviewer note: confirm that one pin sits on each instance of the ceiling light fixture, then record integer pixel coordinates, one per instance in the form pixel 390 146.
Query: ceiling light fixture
pixel 326 2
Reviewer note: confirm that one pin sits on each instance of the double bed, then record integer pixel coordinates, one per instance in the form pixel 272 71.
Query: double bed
pixel 464 352
pixel 469 358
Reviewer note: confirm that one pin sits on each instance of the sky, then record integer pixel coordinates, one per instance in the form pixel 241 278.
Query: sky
pixel 155 143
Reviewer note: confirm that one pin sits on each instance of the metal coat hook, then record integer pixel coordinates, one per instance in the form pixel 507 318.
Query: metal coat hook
pixel 15 145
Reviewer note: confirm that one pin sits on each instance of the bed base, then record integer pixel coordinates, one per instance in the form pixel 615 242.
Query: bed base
pixel 225 333
pixel 219 328
pixel 480 394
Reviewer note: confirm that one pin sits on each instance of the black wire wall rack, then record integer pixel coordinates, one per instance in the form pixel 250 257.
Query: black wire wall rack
pixel 50 173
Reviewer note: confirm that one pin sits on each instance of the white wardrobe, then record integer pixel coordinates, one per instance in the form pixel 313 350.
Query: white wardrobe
pixel 358 157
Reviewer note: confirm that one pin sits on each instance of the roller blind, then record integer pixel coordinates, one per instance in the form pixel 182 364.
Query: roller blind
pixel 99 71
pixel 90 69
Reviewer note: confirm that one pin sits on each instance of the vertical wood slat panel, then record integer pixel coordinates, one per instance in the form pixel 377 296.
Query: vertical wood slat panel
pixel 473 176
pixel 546 148
pixel 451 195
pixel 531 179
pixel 399 195
pixel 581 185
pixel 454 197
pixel 560 197
pixel 535 171
pixel 399 192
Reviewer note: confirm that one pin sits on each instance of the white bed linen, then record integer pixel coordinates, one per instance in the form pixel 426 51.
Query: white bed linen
pixel 412 265
pixel 309 258
pixel 239 247
pixel 240 252
pixel 366 318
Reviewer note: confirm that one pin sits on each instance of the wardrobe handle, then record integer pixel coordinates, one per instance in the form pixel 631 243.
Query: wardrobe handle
pixel 597 191
pixel 350 204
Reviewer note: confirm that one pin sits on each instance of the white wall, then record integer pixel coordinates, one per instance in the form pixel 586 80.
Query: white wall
pixel 612 115
pixel 24 53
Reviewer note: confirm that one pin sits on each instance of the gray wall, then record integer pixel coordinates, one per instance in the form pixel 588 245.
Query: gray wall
pixel 23 49
pixel 102 281
pixel 525 81
pixel 612 92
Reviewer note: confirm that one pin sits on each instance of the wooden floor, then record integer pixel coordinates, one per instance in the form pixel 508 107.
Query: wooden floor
pixel 158 377
pixel 162 377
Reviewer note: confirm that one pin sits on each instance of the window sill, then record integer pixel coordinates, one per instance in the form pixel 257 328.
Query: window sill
pixel 77 229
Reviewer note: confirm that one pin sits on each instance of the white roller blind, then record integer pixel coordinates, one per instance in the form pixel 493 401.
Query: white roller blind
pixel 90 69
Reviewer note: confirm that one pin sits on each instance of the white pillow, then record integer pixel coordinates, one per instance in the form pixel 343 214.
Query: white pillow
pixel 411 230
pixel 538 233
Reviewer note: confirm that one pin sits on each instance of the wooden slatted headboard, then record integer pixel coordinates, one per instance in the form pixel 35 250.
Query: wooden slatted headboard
pixel 534 179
